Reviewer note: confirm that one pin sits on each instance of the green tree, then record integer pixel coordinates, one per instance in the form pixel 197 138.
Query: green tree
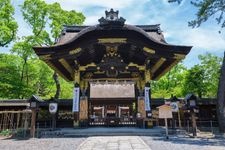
pixel 211 65
pixel 8 25
pixel 202 79
pixel 10 85
pixel 45 21
pixel 194 81
pixel 45 84
pixel 59 17
pixel 170 84
pixel 39 77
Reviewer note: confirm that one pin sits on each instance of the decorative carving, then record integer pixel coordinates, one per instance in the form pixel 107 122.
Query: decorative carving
pixel 141 68
pixel 147 76
pixel 111 15
pixel 179 56
pixel 83 68
pixel 112 73
pixel 111 50
pixel 45 57
pixel 75 51
pixel 111 59
pixel 135 74
pixel 88 75
pixel 111 19
pixel 112 40
pixel 77 76
pixel 149 50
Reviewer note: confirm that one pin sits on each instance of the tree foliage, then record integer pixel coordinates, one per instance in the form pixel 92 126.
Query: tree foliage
pixel 39 77
pixel 59 17
pixel 171 83
pixel 9 72
pixel 211 65
pixel 8 25
pixel 46 22
pixel 207 9
pixel 194 81
pixel 201 79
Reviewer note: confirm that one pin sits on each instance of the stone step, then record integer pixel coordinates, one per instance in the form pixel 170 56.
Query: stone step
pixel 70 132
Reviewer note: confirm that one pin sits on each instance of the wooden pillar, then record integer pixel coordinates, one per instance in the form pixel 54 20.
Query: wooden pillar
pixel 76 85
pixel 140 98
pixel 194 125
pixel 18 120
pixel 148 85
pixel 33 122
pixel 141 106
pixel 83 114
pixel 4 121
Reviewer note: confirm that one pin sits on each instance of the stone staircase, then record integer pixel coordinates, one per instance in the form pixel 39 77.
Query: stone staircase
pixel 101 131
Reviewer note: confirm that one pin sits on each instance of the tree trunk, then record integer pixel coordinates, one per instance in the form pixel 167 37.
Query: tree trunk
pixel 23 69
pixel 22 75
pixel 27 76
pixel 57 83
pixel 221 98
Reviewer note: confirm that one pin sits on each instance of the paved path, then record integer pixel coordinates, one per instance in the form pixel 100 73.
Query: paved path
pixel 114 143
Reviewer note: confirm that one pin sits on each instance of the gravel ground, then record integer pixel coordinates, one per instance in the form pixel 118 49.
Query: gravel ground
pixel 179 143
pixel 155 143
pixel 41 144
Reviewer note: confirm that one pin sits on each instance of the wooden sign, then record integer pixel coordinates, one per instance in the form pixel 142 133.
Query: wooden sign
pixel 165 111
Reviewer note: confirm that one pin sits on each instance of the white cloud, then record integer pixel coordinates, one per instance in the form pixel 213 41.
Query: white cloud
pixel 92 20
pixel 201 38
pixel 94 9
pixel 204 39
pixel 81 5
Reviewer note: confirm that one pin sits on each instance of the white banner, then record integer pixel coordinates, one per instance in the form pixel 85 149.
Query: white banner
pixel 76 99
pixel 147 100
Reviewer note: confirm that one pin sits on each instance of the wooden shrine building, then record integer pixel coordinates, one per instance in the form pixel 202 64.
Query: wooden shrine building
pixel 112 65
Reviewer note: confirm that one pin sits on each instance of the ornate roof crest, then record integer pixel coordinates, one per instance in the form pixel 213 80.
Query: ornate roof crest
pixel 111 19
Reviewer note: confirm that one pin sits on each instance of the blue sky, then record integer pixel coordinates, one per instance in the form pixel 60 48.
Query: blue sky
pixel 173 19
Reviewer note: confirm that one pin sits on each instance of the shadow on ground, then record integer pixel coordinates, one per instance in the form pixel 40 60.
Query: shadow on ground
pixel 188 140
